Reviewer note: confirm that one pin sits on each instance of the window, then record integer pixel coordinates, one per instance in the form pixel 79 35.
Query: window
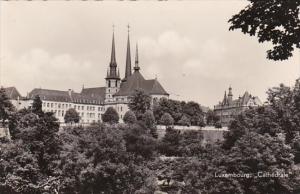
pixel 121 108
pixel 108 84
pixel 82 107
pixel 47 104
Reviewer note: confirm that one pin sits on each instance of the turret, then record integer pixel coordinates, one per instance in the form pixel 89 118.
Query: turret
pixel 230 95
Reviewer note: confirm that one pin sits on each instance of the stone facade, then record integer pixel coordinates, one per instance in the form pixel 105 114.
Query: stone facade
pixel 229 108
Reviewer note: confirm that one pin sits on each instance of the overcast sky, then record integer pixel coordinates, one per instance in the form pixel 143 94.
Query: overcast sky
pixel 186 44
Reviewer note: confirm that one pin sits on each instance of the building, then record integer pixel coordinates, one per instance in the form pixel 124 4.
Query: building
pixel 229 107
pixel 16 99
pixel 91 103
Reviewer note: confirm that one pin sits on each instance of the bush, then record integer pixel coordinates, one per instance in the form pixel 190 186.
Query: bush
pixel 184 121
pixel 166 119
pixel 129 117
pixel 110 116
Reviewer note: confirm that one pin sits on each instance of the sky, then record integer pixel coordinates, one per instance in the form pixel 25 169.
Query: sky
pixel 185 44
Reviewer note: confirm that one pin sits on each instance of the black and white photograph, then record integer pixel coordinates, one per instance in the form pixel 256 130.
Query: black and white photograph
pixel 150 97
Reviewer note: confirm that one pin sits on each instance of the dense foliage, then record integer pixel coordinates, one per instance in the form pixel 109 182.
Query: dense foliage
pixel 260 153
pixel 71 116
pixel 140 103
pixel 110 116
pixel 275 21
pixel 6 107
pixel 183 113
pixel 129 117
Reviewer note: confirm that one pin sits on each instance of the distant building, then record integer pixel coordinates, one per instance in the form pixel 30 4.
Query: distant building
pixel 16 99
pixel 91 103
pixel 229 108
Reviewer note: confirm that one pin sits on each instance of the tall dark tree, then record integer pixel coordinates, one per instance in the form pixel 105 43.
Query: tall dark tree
pixel 71 116
pixel 148 119
pixel 275 21
pixel 110 116
pixel 6 107
pixel 194 112
pixel 140 103
pixel 37 106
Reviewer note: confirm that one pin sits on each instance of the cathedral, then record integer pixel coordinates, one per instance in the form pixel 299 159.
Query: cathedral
pixel 91 103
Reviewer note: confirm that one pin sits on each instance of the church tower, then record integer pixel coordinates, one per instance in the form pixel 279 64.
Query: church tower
pixel 128 70
pixel 113 76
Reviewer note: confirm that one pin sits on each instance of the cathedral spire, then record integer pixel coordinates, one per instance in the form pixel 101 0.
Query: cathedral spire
pixel 136 67
pixel 113 51
pixel 112 70
pixel 128 58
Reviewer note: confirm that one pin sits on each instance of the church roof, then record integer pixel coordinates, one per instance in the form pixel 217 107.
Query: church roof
pixel 98 92
pixel 137 81
pixel 12 93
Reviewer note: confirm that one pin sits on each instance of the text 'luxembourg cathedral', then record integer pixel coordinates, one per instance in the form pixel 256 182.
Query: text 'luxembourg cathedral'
pixel 91 103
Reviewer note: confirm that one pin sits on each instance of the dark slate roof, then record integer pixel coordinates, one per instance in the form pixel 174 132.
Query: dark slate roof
pixel 65 96
pixel 12 93
pixel 94 92
pixel 51 95
pixel 137 81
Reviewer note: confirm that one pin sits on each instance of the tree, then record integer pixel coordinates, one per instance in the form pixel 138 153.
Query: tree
pixel 212 118
pixel 6 107
pixel 275 21
pixel 194 112
pixel 110 116
pixel 37 106
pixel 140 103
pixel 166 119
pixel 19 170
pixel 139 141
pixel 95 160
pixel 184 121
pixel 170 143
pixel 39 136
pixel 129 117
pixel 173 107
pixel 148 119
pixel 71 116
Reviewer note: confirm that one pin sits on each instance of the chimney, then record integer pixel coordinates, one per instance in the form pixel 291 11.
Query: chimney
pixel 70 92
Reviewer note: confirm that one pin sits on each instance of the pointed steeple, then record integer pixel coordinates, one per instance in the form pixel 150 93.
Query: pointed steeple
pixel 128 71
pixel 113 52
pixel 225 99
pixel 136 66
pixel 112 70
